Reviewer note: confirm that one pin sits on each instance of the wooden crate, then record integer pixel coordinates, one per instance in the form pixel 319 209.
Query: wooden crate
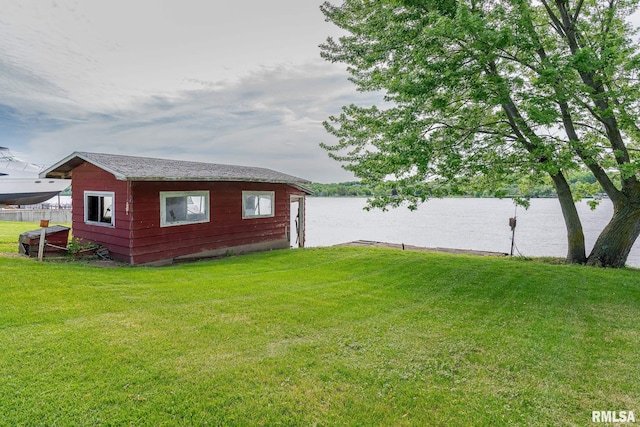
pixel 56 238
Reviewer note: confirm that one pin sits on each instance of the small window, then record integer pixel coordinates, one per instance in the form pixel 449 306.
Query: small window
pixel 183 207
pixel 258 204
pixel 98 208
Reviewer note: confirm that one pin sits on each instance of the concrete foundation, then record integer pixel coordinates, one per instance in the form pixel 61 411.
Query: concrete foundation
pixel 235 250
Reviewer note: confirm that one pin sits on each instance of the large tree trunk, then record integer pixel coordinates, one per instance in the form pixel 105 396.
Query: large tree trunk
pixel 576 253
pixel 614 243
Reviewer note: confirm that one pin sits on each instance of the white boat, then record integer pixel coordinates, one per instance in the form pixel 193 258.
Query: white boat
pixel 20 183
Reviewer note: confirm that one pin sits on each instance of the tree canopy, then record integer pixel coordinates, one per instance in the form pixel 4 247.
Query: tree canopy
pixel 483 92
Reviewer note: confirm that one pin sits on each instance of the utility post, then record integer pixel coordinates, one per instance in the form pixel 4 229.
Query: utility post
pixel 512 224
pixel 44 223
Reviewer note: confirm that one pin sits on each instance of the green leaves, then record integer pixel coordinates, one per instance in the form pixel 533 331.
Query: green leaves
pixel 493 92
pixel 517 86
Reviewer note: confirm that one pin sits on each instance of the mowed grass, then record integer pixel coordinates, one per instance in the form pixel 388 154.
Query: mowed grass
pixel 331 336
pixel 10 233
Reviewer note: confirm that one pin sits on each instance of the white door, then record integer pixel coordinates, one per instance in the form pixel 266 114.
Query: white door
pixel 296 236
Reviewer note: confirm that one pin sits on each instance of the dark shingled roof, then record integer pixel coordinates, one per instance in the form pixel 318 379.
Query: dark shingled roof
pixel 131 168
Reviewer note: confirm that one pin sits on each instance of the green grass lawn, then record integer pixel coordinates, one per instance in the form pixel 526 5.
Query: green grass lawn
pixel 332 336
pixel 10 232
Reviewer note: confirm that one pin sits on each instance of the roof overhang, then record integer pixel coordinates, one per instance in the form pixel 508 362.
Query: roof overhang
pixel 63 169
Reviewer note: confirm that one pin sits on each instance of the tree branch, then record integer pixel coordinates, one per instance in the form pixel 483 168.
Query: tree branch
pixel 555 22
pixel 577 12
pixel 598 97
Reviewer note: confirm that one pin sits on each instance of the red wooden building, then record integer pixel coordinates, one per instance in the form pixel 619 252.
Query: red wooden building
pixel 157 211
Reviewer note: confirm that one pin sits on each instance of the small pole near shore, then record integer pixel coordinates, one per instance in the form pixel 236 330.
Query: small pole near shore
pixel 512 224
pixel 44 223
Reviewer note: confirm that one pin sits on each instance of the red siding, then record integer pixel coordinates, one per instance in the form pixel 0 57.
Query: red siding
pixel 137 237
pixel 88 177
pixel 226 228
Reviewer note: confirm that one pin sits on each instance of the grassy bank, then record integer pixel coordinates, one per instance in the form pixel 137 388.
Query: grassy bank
pixel 329 336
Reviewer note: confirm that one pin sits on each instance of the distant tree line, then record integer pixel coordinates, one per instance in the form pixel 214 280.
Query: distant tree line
pixel 343 189
pixel 583 185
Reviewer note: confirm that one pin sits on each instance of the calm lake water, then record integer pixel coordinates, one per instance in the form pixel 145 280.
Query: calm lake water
pixel 479 224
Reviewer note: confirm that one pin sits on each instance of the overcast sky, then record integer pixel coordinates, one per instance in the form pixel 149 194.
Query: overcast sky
pixel 237 82
pixel 224 82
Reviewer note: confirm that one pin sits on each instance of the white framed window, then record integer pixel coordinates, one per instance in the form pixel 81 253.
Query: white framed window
pixel 98 208
pixel 258 204
pixel 183 207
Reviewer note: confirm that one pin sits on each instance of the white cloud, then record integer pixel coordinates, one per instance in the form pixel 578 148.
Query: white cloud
pixel 272 118
pixel 106 53
pixel 228 82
